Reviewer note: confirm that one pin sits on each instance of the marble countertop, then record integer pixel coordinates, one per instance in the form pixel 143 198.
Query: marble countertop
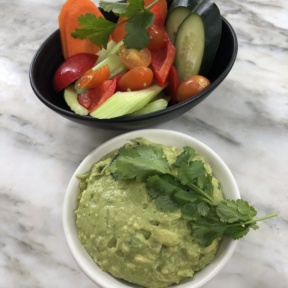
pixel 245 121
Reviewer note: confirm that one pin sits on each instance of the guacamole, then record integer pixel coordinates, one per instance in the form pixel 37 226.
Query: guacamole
pixel 128 236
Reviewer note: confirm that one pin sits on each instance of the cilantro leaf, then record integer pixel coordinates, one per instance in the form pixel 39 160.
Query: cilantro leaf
pixel 161 185
pixel 117 8
pixel 139 162
pixel 237 232
pixel 208 229
pixel 134 7
pixel 232 211
pixel 193 211
pixel 165 203
pixel 137 26
pixel 189 189
pixel 187 173
pixel 187 155
pixel 96 29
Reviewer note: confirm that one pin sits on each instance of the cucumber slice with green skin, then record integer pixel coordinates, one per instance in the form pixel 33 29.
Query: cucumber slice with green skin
pixel 212 22
pixel 174 20
pixel 70 97
pixel 190 44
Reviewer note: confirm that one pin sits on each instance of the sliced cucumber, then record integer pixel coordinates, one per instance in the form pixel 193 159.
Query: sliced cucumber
pixel 212 22
pixel 174 20
pixel 70 97
pixel 190 44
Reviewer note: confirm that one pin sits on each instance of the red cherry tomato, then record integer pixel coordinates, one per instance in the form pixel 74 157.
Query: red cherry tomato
pixel 134 58
pixel 72 69
pixel 191 86
pixel 136 79
pixel 157 39
pixel 93 79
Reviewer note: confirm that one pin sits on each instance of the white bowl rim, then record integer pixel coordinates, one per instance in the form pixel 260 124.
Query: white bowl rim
pixel 162 136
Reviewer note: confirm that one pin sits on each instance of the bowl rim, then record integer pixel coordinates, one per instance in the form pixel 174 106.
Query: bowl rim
pixel 81 257
pixel 137 118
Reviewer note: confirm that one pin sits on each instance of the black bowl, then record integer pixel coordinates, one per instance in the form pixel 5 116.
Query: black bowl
pixel 49 57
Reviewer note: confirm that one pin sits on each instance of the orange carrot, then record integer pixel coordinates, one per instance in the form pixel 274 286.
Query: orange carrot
pixel 68 22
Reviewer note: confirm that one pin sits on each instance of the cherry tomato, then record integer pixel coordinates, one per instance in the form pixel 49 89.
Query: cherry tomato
pixel 72 69
pixel 93 79
pixel 134 58
pixel 157 39
pixel 136 79
pixel 191 86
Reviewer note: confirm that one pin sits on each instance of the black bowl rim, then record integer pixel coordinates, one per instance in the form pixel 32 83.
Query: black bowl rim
pixel 126 119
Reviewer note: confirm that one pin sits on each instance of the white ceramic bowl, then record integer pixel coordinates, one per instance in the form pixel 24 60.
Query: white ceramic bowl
pixel 167 137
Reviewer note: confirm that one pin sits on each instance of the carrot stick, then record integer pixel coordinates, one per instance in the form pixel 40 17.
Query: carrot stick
pixel 68 22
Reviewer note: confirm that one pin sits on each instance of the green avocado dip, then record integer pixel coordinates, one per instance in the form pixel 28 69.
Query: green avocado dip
pixel 128 231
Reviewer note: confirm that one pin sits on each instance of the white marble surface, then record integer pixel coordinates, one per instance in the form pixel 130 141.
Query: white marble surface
pixel 245 120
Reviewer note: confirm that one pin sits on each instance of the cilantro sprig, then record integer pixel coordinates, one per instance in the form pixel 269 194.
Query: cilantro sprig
pixel 99 29
pixel 185 185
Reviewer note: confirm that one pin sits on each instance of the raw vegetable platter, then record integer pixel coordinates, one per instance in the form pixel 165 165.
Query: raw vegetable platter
pixel 158 89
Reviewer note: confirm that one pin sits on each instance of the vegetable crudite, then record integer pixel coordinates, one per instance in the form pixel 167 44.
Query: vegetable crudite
pixel 168 46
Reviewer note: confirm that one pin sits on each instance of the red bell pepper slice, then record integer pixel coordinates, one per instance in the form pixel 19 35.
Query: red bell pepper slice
pixel 162 59
pixel 93 98
pixel 173 84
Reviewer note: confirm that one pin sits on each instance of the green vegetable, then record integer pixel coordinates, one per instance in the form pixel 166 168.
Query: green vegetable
pixel 70 97
pixel 185 185
pixel 174 20
pixel 98 29
pixel 153 106
pixel 123 103
pixel 180 25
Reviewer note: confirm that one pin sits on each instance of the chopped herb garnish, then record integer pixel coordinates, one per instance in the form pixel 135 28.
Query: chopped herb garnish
pixel 190 189
pixel 99 29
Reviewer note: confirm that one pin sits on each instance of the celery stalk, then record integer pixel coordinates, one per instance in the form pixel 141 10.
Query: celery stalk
pixel 153 106
pixel 123 103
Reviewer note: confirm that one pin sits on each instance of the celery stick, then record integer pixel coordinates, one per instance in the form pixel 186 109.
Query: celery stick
pixel 123 103
pixel 153 106
pixel 103 53
pixel 115 48
pixel 70 97
pixel 115 65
